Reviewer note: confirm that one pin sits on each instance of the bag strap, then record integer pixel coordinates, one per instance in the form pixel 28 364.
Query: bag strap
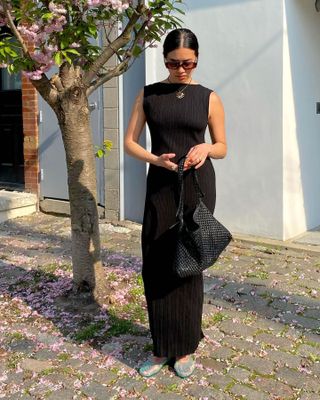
pixel 196 185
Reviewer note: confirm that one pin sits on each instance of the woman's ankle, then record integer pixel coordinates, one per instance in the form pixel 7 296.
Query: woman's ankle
pixel 184 358
pixel 159 359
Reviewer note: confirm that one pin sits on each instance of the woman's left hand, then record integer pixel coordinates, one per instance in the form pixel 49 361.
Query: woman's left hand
pixel 197 155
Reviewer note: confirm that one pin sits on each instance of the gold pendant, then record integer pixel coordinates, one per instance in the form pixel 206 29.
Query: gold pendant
pixel 180 95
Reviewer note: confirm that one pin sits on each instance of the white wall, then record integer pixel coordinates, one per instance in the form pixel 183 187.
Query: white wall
pixel 301 125
pixel 241 58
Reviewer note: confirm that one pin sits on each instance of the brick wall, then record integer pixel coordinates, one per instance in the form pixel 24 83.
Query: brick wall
pixel 31 136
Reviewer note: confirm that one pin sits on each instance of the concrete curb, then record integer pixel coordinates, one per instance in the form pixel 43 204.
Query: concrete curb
pixel 276 243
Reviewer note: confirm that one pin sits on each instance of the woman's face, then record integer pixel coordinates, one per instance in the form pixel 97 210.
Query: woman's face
pixel 183 72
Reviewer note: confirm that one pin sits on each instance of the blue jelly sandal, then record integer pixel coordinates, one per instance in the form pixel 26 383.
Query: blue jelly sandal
pixel 185 368
pixel 150 367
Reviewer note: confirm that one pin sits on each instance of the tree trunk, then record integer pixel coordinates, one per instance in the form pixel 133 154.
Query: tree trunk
pixel 74 119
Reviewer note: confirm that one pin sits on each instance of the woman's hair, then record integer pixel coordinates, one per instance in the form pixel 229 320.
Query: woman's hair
pixel 178 38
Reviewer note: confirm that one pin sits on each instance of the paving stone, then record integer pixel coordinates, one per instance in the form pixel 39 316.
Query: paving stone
pixel 45 354
pixel 212 364
pixel 15 378
pixel 35 365
pixel 267 324
pixel 241 344
pixel 306 350
pixel 308 283
pixel 66 380
pixel 293 334
pixel 312 313
pixel 309 396
pixel 105 377
pixel 273 340
pixel 153 393
pixel 165 378
pixel 219 381
pixel 214 334
pixel 283 358
pixel 19 396
pixel 273 387
pixel 72 362
pixel 248 393
pixel 311 337
pixel 240 374
pixel 237 329
pixel 284 305
pixel 130 384
pixel 223 353
pixel 200 392
pixel 298 379
pixel 98 391
pixel 258 364
pixel 315 369
pixel 25 346
pixel 62 394
pixel 46 338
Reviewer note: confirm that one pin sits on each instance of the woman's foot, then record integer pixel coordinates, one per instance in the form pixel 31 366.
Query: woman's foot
pixel 152 366
pixel 184 366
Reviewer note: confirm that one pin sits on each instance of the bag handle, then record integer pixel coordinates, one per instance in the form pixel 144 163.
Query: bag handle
pixel 196 185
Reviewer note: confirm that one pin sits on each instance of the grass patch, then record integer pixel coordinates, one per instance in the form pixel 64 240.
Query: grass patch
pixel 120 326
pixel 314 357
pixel 148 347
pixel 15 336
pixel 48 371
pixel 112 276
pixel 135 311
pixel 89 332
pixel 14 360
pixel 212 320
pixel 63 356
pixel 52 267
pixel 258 274
pixel 172 388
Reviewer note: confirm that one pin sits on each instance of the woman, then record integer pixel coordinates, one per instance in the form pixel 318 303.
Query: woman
pixel 177 111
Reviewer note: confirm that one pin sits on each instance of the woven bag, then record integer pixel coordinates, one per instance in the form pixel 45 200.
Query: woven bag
pixel 200 237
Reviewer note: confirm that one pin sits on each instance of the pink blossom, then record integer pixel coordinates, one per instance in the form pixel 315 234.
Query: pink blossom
pixel 57 8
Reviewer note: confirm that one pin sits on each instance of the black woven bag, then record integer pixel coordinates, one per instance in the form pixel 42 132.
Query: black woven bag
pixel 200 237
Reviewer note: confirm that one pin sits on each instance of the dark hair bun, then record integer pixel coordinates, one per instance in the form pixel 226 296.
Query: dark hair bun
pixel 178 38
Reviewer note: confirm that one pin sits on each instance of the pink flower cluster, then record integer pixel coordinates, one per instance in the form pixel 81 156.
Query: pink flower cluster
pixel 117 5
pixel 40 33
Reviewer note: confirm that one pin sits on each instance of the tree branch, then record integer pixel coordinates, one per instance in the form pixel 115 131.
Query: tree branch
pixel 118 70
pixel 45 88
pixel 14 29
pixel 116 45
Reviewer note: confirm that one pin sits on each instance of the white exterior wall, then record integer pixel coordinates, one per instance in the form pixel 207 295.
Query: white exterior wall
pixel 241 58
pixel 301 125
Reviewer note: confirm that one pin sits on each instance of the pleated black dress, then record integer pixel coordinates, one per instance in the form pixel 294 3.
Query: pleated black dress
pixel 174 304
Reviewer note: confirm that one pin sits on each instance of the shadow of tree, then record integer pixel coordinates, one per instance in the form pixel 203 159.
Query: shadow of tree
pixel 33 294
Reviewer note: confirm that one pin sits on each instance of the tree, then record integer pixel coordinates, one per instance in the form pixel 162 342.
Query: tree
pixel 37 35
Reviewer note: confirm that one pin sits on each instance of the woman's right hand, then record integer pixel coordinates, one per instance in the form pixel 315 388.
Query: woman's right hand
pixel 164 161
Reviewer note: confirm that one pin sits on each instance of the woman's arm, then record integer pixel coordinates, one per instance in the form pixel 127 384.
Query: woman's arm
pixel 135 127
pixel 216 124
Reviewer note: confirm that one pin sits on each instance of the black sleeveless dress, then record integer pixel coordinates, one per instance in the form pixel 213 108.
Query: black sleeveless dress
pixel 174 304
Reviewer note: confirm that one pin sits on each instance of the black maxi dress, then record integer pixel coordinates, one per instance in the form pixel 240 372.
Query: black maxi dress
pixel 174 304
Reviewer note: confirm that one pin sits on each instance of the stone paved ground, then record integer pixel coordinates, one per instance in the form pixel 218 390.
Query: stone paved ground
pixel 261 321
